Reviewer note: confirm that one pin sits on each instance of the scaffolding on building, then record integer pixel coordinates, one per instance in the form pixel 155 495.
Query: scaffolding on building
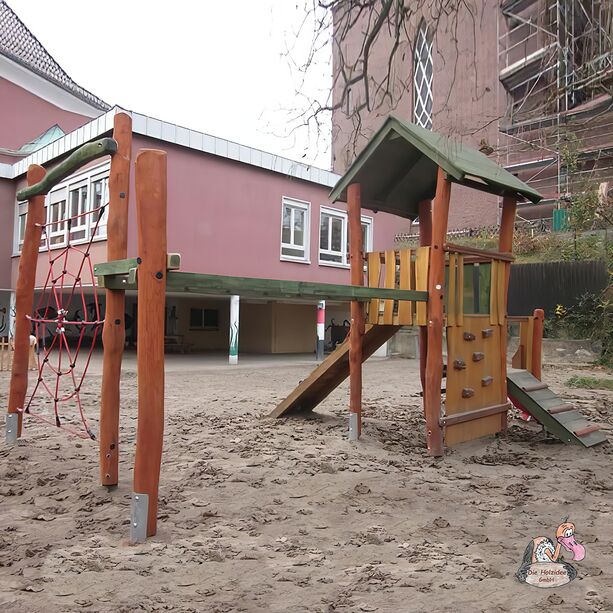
pixel 555 61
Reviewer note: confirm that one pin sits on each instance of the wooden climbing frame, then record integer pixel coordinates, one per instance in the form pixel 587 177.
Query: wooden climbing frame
pixel 404 170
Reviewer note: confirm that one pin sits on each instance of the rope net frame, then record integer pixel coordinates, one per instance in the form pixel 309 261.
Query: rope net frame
pixel 58 377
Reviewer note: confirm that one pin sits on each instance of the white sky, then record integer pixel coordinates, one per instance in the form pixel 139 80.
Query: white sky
pixel 211 65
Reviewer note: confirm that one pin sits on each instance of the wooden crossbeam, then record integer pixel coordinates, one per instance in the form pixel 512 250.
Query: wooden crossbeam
pixel 482 254
pixel 459 418
pixel 195 283
pixel 123 267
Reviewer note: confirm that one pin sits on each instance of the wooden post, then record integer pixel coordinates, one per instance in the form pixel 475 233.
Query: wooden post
pixel 505 245
pixel 425 238
pixel 436 292
pixel 151 215
pixel 24 302
pixel 537 343
pixel 356 332
pixel 114 331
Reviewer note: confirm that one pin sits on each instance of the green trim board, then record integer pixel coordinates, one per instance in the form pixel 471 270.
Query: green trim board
pixel 540 401
pixel 398 168
pixel 196 283
pixel 83 155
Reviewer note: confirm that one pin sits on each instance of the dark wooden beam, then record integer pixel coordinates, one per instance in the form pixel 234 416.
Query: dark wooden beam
pixel 356 331
pixel 425 240
pixel 459 418
pixel 24 301
pixel 436 291
pixel 505 244
pixel 114 331
pixel 151 201
pixel 482 254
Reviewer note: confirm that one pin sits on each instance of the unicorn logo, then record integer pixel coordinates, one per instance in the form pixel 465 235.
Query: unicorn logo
pixel 542 565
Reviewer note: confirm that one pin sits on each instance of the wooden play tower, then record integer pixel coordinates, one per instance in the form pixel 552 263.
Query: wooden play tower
pixel 409 171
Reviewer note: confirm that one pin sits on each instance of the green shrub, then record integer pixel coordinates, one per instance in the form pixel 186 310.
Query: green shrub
pixel 590 318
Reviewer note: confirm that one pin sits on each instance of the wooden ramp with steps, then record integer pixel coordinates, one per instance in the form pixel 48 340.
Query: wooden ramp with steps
pixel 332 372
pixel 563 420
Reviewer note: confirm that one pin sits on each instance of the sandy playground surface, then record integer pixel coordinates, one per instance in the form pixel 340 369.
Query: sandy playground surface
pixel 287 515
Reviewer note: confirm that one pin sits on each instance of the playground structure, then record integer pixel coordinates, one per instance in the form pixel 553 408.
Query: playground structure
pixel 404 170
pixel 409 171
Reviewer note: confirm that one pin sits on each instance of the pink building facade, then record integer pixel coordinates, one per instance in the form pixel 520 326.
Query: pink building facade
pixel 232 210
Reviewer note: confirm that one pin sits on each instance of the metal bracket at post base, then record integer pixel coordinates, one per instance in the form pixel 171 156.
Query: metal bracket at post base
pixel 12 427
pixel 138 519
pixel 354 427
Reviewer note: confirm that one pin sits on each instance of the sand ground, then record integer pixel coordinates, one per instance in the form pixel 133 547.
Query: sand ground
pixel 287 515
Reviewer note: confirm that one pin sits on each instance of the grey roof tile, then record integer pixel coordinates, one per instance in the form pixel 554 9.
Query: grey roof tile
pixel 20 45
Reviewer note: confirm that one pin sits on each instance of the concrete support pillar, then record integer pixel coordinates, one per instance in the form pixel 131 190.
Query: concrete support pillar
pixel 321 329
pixel 234 324
pixel 11 315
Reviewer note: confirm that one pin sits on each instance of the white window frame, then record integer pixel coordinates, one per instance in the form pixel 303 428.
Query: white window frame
pixel 85 177
pixel 338 214
pixel 366 220
pixel 369 222
pixel 56 202
pixel 101 230
pixel 80 224
pixel 21 216
pixel 296 205
pixel 422 81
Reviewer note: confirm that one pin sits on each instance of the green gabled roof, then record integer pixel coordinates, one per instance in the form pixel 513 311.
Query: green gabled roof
pixel 398 168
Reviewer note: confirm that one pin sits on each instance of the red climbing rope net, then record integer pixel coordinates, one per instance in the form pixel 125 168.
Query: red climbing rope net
pixel 65 341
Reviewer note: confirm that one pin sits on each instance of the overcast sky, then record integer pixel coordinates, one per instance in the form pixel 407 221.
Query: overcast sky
pixel 211 65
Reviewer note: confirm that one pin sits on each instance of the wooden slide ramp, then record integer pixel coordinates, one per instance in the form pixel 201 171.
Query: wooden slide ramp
pixel 332 372
pixel 561 419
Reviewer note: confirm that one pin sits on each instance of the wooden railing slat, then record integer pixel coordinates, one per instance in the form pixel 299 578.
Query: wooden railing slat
pixel 405 308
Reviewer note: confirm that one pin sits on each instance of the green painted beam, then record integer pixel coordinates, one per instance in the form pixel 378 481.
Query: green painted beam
pixel 195 283
pixel 123 267
pixel 115 267
pixel 83 155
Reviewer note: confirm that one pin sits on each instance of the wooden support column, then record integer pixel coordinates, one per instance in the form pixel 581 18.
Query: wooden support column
pixel 151 215
pixel 436 292
pixel 114 331
pixel 425 239
pixel 24 302
pixel 537 343
pixel 356 259
pixel 505 245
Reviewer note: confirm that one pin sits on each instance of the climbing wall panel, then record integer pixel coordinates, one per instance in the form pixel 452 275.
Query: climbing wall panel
pixel 475 394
